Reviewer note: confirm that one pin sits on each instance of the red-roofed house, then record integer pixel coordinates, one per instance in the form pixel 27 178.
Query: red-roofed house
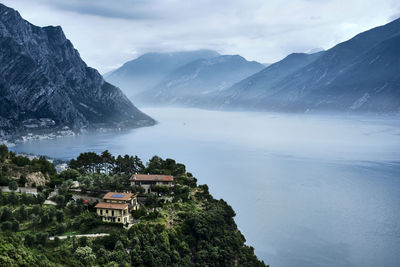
pixel 117 207
pixel 148 180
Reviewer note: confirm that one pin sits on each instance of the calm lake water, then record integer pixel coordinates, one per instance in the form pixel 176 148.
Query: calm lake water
pixel 308 190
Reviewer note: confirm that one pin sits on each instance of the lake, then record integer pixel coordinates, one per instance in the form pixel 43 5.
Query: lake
pixel 308 190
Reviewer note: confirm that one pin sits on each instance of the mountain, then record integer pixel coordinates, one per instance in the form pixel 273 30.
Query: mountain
pixel 361 75
pixel 149 69
pixel 246 91
pixel 197 80
pixel 45 84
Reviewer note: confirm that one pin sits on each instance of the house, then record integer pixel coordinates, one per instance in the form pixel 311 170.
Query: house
pixel 117 207
pixel 148 180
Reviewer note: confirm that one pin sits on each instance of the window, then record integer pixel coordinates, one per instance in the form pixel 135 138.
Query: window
pixel 106 211
pixel 101 212
pixel 112 213
pixel 119 219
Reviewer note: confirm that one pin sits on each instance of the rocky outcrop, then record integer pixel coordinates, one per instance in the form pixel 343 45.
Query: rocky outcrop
pixel 35 179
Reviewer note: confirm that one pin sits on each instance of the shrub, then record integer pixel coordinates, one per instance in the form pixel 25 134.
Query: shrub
pixel 41 238
pixel 13 185
pixel 29 239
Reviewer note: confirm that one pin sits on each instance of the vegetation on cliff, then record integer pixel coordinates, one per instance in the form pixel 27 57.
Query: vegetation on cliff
pixel 182 226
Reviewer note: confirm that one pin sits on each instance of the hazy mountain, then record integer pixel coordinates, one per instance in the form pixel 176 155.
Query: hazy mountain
pixel 252 88
pixel 198 79
pixel 361 74
pixel 43 81
pixel 149 69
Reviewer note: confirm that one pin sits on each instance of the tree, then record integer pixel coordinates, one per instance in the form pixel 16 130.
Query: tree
pixel 61 228
pixel 83 241
pixel 13 185
pixel 57 241
pixel 104 256
pixel 22 180
pixel 69 174
pixel 29 239
pixel 128 165
pixel 119 254
pixel 6 226
pixel 151 201
pixel 35 219
pixel 108 161
pixel 13 199
pixel 3 152
pixel 60 216
pixel 14 226
pixel 85 255
pixel 45 219
pixel 160 189
pixel 43 165
pixel 22 213
pixel 6 214
pixel 155 165
pixel 51 211
pixel 139 166
pixel 20 161
pixel 40 198
pixel 41 238
pixel 119 246
pixel 137 189
pixel 60 200
pixel 37 209
pixel 89 161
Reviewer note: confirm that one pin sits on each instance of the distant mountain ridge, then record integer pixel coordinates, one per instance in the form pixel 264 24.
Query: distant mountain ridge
pixel 359 75
pixel 43 78
pixel 199 79
pixel 148 70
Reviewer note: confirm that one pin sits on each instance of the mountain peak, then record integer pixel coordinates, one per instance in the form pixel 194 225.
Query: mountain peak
pixel 43 76
pixel 358 75
pixel 149 69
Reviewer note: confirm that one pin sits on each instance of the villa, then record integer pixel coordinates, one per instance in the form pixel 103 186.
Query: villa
pixel 148 180
pixel 117 207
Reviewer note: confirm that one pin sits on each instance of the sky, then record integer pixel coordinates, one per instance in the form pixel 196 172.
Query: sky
pixel 107 33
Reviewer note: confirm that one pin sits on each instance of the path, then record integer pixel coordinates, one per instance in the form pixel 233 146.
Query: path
pixel 88 235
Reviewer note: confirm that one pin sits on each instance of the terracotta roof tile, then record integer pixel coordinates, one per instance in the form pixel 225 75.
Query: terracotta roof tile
pixel 113 206
pixel 152 177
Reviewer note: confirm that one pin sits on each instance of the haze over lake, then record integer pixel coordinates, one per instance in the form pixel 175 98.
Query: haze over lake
pixel 308 190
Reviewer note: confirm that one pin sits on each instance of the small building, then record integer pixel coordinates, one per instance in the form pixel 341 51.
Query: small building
pixel 148 180
pixel 117 207
pixel 75 185
pixel 49 202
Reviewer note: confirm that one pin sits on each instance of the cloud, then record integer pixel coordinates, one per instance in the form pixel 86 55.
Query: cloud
pixel 107 33
pixel 123 9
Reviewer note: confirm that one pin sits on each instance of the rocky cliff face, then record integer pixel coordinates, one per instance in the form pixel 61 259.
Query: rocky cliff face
pixel 43 78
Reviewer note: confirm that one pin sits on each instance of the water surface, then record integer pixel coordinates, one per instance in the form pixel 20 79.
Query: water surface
pixel 308 190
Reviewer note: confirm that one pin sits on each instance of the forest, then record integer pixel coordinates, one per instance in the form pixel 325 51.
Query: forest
pixel 193 229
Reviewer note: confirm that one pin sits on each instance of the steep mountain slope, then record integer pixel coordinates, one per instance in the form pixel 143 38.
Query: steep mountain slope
pixel 360 74
pixel 44 82
pixel 149 69
pixel 195 81
pixel 254 86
